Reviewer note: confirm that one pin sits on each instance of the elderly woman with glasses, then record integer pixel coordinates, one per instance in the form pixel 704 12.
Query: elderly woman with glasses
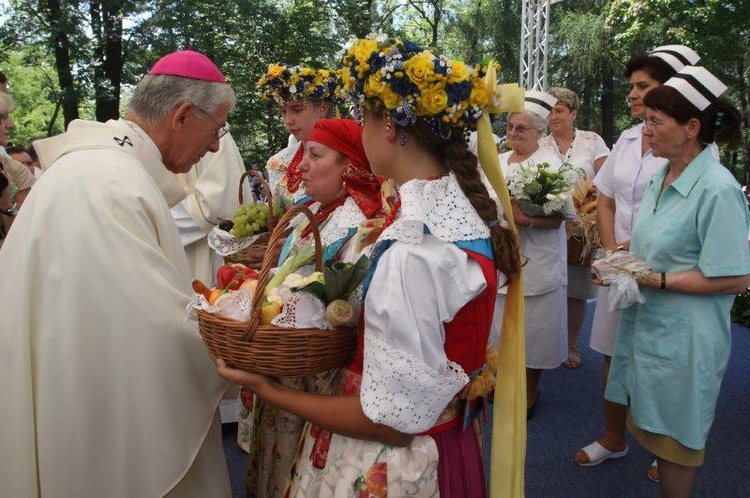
pixel 621 182
pixel 672 349
pixel 542 243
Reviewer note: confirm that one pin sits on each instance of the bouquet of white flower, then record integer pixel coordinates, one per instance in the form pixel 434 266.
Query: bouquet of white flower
pixel 541 190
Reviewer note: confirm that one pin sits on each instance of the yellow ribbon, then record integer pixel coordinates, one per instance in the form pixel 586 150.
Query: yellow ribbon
pixel 509 414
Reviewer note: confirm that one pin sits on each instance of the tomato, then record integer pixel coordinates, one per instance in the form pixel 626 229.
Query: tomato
pixel 232 276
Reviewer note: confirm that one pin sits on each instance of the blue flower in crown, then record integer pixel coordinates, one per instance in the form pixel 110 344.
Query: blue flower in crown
pixel 283 83
pixel 412 84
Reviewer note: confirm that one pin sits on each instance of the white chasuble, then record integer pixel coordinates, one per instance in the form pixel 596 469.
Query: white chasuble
pixel 106 389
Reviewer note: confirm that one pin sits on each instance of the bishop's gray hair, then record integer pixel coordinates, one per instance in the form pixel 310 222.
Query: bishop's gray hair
pixel 156 95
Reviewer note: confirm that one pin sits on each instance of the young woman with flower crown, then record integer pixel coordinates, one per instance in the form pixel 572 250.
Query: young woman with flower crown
pixel 303 95
pixel 403 423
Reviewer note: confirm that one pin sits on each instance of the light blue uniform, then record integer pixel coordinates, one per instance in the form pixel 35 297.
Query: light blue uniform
pixel 672 351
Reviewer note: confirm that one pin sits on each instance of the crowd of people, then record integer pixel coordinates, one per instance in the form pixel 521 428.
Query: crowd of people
pixel 110 391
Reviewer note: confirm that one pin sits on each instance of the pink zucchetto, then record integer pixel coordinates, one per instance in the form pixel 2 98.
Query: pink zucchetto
pixel 188 64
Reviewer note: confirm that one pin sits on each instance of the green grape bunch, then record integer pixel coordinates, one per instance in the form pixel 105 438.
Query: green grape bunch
pixel 250 219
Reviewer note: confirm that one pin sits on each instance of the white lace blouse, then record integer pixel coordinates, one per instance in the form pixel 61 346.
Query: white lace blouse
pixel 421 282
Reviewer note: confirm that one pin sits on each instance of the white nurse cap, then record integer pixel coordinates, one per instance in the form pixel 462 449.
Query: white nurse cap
pixel 540 103
pixel 698 85
pixel 677 56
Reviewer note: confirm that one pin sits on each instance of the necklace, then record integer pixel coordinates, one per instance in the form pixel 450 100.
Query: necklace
pixel 293 174
pixel 519 158
pixel 565 157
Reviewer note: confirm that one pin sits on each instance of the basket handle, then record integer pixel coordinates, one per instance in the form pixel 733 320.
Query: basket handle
pixel 264 276
pixel 266 191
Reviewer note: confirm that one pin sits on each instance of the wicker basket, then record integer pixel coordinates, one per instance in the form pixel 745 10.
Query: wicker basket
pixel 277 351
pixel 253 255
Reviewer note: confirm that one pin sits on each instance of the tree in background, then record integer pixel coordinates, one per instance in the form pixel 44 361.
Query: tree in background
pixel 86 40
pixel 99 49
pixel 33 86
pixel 582 59
pixel 716 29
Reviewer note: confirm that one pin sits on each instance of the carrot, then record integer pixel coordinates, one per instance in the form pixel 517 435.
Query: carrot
pixel 201 288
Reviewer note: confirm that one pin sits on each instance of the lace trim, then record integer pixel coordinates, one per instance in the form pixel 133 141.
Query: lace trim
pixel 274 178
pixel 440 205
pixel 301 311
pixel 338 224
pixel 235 305
pixel 400 391
pixel 224 243
pixel 282 158
pixel 342 220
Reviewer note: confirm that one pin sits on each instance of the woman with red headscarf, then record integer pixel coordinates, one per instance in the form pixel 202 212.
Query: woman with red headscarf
pixel 336 175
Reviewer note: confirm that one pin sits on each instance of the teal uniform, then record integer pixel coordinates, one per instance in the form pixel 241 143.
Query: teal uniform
pixel 672 351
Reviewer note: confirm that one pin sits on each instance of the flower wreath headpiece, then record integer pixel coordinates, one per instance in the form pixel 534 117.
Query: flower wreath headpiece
pixel 283 83
pixel 413 83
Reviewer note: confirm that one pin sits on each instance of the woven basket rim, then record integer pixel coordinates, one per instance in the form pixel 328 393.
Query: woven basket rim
pixel 233 340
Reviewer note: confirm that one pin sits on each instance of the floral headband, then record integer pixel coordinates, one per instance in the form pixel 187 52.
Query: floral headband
pixel 286 83
pixel 412 83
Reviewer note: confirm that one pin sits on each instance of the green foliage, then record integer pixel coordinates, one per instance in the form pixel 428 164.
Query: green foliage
pixel 741 308
pixel 583 60
pixel 716 29
pixel 590 41
pixel 32 84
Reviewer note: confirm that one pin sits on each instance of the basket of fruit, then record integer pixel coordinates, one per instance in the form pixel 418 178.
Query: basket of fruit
pixel 251 227
pixel 287 331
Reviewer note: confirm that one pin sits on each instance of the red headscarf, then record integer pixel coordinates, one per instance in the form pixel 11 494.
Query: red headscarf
pixel 345 136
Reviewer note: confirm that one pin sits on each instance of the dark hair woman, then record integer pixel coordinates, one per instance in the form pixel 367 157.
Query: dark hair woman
pixel 621 183
pixel 672 350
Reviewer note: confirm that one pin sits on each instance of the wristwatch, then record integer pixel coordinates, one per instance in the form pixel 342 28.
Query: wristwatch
pixel 531 224
pixel 10 212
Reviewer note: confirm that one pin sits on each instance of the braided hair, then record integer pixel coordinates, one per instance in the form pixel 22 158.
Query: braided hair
pixel 454 154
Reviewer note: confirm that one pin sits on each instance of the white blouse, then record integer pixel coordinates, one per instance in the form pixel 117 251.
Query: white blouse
pixel 624 177
pixel 586 148
pixel 421 282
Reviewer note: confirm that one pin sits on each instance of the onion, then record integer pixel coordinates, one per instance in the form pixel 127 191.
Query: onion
pixel 339 313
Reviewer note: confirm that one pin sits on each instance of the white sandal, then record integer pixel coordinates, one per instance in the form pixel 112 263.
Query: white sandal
pixel 598 454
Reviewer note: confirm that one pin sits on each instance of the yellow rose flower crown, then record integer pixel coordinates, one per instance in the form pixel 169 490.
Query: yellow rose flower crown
pixel 412 83
pixel 283 83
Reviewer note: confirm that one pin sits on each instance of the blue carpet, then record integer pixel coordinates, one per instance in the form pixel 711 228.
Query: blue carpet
pixel 569 415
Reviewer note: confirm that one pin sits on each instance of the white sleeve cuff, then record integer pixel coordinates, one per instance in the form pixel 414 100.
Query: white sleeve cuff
pixel 401 391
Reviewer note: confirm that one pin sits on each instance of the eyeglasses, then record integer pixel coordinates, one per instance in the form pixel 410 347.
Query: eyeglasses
pixel 221 130
pixel 518 128
pixel 4 116
pixel 652 123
